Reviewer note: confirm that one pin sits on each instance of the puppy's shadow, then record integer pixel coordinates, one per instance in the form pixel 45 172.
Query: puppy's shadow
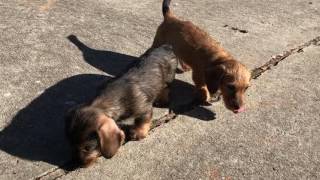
pixel 182 101
pixel 110 62
pixel 36 132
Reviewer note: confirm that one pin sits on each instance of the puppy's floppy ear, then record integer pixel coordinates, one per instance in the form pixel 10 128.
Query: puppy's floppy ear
pixel 214 76
pixel 110 136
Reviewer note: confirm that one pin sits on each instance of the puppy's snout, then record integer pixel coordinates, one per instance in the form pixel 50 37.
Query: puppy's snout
pixel 237 106
pixel 241 109
pixel 109 155
pixel 236 103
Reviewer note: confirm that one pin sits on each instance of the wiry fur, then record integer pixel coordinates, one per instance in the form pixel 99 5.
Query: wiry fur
pixel 92 128
pixel 213 67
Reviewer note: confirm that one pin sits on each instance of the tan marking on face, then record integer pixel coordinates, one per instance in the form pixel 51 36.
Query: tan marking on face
pixel 90 158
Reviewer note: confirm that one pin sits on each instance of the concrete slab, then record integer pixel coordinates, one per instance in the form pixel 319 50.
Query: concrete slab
pixel 44 72
pixel 272 26
pixel 277 138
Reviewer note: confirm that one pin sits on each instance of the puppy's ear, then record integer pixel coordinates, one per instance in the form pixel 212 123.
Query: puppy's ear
pixel 214 76
pixel 110 136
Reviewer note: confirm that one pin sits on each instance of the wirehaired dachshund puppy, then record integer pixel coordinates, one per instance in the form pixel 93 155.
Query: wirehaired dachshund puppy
pixel 213 68
pixel 92 128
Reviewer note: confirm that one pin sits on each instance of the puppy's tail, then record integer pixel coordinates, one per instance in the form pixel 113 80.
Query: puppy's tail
pixel 166 8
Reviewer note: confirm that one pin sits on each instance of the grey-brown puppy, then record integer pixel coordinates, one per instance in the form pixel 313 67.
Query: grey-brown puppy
pixel 92 128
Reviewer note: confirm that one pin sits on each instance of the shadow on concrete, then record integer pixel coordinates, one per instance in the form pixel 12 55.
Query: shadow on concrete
pixel 183 102
pixel 37 133
pixel 110 62
pixel 115 64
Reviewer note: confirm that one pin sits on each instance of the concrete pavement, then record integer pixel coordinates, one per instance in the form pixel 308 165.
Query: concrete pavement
pixel 44 71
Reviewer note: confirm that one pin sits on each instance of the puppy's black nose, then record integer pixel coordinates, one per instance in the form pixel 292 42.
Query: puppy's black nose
pixel 236 104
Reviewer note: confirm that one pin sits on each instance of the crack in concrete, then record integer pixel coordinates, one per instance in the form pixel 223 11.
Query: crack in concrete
pixel 170 116
pixel 278 58
pixel 236 29
pixel 53 171
pixel 69 165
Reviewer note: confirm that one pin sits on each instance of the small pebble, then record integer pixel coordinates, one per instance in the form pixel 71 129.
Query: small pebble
pixel 7 94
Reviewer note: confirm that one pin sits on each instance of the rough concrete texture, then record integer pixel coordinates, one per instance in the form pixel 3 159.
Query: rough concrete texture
pixel 43 73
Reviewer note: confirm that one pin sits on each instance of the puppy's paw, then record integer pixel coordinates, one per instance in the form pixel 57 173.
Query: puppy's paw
pixel 137 134
pixel 215 97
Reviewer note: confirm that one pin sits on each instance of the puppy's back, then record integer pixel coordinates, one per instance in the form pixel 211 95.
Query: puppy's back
pixel 156 67
pixel 191 44
pixel 141 85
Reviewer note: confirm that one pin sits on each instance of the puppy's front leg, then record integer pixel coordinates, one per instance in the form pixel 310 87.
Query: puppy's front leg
pixel 215 97
pixel 141 127
pixel 202 91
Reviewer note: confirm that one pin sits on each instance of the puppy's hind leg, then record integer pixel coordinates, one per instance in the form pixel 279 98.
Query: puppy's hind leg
pixel 184 66
pixel 163 98
pixel 142 126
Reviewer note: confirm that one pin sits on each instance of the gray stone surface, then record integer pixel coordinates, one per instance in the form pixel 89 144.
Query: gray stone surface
pixel 277 138
pixel 43 73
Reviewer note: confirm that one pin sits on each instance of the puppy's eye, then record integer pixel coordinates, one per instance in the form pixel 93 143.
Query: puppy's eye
pixel 88 148
pixel 246 87
pixel 91 142
pixel 92 136
pixel 231 87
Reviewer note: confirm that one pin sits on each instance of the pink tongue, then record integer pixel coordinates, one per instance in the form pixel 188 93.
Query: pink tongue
pixel 241 109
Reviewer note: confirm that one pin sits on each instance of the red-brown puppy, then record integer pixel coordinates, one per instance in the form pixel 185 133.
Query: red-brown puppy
pixel 213 68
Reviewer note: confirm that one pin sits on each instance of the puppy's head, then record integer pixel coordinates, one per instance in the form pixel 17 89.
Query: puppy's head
pixel 91 134
pixel 233 79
